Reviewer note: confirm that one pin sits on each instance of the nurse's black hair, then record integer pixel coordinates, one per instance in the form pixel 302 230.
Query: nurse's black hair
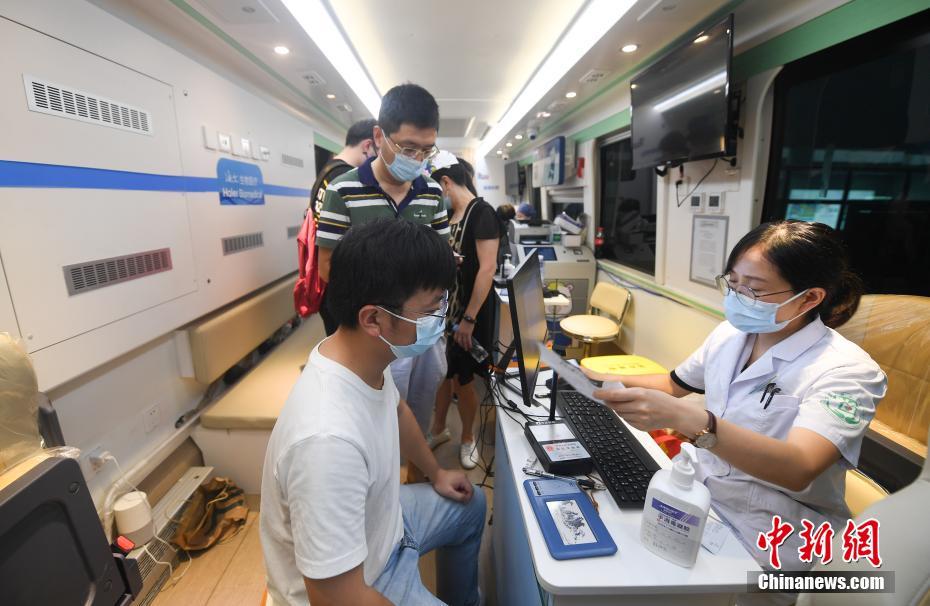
pixel 461 174
pixel 385 262
pixel 408 104
pixel 808 255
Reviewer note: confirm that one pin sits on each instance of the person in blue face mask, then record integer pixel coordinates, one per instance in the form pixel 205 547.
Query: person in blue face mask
pixel 337 526
pixel 788 399
pixel 394 185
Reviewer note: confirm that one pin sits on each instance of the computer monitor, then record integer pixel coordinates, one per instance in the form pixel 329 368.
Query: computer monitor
pixel 528 315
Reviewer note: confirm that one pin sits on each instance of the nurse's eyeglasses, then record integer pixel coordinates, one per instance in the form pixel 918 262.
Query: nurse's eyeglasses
pixel 744 294
pixel 414 153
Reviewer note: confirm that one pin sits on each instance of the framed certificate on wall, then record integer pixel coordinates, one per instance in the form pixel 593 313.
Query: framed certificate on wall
pixel 708 248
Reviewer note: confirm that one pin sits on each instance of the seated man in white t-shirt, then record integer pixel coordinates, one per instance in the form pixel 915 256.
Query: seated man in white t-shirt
pixel 336 525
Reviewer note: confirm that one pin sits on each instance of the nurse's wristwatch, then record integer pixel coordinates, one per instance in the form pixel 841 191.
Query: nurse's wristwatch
pixel 707 437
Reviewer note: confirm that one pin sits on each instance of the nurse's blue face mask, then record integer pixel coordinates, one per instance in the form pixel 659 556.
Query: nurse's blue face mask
pixel 750 315
pixel 430 327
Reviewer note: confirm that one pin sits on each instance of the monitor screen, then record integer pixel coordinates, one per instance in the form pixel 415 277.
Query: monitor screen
pixel 681 104
pixel 528 314
pixel 547 252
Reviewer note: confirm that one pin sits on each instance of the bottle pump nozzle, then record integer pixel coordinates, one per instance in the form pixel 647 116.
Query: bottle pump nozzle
pixel 683 466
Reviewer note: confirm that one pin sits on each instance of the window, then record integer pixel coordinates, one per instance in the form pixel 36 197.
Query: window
pixel 851 148
pixel 627 208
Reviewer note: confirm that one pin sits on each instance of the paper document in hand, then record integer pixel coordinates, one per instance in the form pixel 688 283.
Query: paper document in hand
pixel 571 373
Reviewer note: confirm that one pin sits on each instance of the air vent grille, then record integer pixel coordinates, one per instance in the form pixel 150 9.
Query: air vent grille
pixel 84 277
pixel 344 107
pixel 313 78
pixel 594 76
pixel 237 244
pixel 48 98
pixel 292 161
pixel 292 231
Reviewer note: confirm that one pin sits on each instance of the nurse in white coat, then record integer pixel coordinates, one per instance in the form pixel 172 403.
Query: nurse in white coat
pixel 788 399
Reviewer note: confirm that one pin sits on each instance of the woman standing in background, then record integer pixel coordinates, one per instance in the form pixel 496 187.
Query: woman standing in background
pixel 474 237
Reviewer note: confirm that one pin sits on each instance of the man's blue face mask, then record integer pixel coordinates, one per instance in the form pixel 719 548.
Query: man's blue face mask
pixel 429 329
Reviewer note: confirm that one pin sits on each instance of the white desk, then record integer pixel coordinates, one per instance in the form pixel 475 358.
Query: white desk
pixel 527 574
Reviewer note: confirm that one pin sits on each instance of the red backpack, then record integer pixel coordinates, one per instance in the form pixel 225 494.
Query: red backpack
pixel 308 291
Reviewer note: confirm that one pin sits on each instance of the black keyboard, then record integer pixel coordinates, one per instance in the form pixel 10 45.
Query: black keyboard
pixel 623 464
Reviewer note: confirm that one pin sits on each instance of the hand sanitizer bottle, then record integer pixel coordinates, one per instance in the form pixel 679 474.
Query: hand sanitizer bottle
pixel 508 268
pixel 676 510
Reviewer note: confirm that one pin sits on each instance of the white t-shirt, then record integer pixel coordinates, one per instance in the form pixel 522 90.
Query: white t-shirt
pixel 331 480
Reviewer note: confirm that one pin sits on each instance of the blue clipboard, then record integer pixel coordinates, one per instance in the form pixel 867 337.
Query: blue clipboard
pixel 568 520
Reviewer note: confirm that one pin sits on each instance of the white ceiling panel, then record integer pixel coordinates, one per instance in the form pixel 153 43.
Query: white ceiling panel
pixel 474 57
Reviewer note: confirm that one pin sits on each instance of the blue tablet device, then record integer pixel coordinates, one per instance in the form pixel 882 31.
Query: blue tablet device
pixel 568 521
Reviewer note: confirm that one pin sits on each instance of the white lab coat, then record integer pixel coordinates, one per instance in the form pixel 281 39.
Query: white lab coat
pixel 828 385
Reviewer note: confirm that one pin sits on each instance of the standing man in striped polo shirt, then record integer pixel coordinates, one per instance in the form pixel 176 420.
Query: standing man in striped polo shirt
pixel 394 185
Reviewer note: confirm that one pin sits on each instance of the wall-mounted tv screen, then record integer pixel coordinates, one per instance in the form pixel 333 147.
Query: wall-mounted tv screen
pixel 681 103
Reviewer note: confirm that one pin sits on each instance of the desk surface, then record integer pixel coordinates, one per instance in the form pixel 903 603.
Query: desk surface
pixel 633 569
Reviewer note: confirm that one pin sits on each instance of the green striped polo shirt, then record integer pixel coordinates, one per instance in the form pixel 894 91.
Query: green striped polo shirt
pixel 355 198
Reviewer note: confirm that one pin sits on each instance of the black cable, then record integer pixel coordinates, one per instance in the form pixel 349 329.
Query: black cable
pixel 694 189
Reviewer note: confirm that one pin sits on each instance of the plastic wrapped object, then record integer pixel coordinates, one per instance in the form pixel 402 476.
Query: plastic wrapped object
pixel 19 403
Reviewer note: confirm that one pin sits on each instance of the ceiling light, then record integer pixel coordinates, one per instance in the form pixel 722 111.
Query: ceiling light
pixel 571 94
pixel 500 151
pixel 327 35
pixel 518 137
pixel 330 96
pixel 594 20
pixel 509 144
pixel 282 50
pixel 543 114
pixel 630 48
pixel 632 86
pixel 701 38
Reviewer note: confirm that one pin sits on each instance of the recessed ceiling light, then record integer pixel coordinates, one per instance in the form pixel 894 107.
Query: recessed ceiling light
pixel 630 48
pixel 632 86
pixel 571 94
pixel 543 114
pixel 282 50
pixel 509 144
pixel 499 152
pixel 518 137
pixel 330 96
pixel 701 38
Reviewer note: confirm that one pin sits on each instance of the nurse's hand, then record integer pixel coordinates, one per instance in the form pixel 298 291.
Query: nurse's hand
pixel 645 409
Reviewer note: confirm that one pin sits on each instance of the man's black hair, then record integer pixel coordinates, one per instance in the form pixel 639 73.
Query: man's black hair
pixel 408 104
pixel 385 262
pixel 361 130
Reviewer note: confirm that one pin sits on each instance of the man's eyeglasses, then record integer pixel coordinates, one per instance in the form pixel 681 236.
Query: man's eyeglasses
pixel 439 313
pixel 744 294
pixel 414 153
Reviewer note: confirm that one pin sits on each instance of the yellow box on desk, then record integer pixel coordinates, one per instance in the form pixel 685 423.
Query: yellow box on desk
pixel 623 365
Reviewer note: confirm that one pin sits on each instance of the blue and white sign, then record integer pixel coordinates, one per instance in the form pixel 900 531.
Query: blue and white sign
pixel 549 165
pixel 239 182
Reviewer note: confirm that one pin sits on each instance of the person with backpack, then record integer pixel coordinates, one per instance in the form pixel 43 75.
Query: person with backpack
pixel 360 146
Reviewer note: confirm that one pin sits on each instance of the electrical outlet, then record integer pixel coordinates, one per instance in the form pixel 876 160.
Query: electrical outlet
pixel 152 418
pixel 92 461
